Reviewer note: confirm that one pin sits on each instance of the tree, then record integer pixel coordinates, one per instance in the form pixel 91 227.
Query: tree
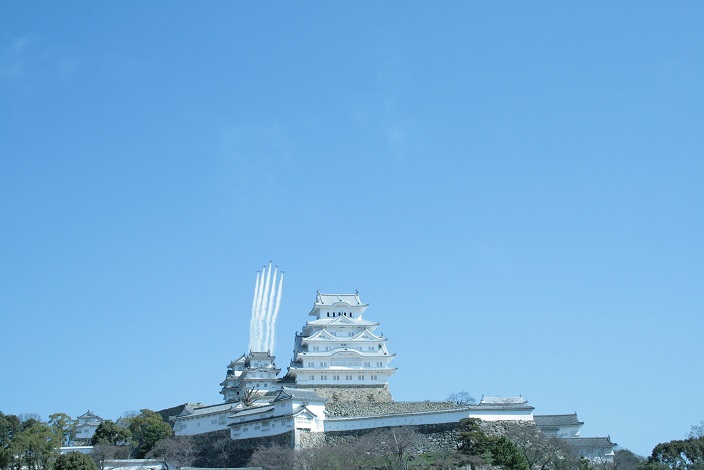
pixel 273 458
pixel 472 440
pixel 392 447
pixel 9 427
pixel 687 454
pixel 177 451
pixel 103 452
pixel 497 450
pixel 506 454
pixel 110 433
pixel 623 459
pixel 539 450
pixel 64 426
pixel 249 397
pixel 147 428
pixel 36 445
pixel 461 398
pixel 220 451
pixel 697 431
pixel 74 461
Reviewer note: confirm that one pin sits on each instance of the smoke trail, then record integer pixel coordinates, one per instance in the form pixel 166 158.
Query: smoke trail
pixel 269 311
pixel 263 310
pixel 257 313
pixel 252 321
pixel 272 337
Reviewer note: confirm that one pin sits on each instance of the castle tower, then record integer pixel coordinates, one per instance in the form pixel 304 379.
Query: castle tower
pixel 338 352
pixel 255 371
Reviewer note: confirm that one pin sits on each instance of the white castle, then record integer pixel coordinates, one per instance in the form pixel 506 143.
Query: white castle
pixel 339 360
pixel 339 347
pixel 337 381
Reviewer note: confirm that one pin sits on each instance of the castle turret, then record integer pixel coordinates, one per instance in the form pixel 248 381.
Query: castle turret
pixel 256 371
pixel 339 349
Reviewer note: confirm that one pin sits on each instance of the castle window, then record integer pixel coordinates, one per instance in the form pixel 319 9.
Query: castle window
pixel 361 377
pixel 328 314
pixel 348 377
pixel 367 364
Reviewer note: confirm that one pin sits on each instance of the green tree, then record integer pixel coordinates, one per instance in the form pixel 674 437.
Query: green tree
pixel 109 433
pixel 506 454
pixel 697 430
pixel 64 425
pixel 9 426
pixel 472 440
pixel 147 428
pixel 74 461
pixel 687 454
pixel 498 450
pixel 36 445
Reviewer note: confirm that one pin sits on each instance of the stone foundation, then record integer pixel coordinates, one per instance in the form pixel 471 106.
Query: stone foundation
pixel 351 393
pixel 339 409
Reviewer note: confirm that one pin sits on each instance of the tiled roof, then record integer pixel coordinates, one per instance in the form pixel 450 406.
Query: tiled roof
pixel 88 414
pixel 204 410
pixel 503 401
pixel 253 411
pixel 585 442
pixel 299 394
pixel 557 420
pixel 332 299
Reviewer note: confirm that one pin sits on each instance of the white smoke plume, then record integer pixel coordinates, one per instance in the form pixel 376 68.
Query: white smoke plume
pixel 265 309
pixel 252 322
pixel 269 311
pixel 272 338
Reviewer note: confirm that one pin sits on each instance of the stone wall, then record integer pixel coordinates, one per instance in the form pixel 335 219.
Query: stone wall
pixel 430 437
pixel 352 393
pixel 339 409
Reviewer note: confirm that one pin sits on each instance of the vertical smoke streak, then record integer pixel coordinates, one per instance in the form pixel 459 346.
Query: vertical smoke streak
pixel 252 321
pixel 269 312
pixel 263 310
pixel 272 337
pixel 257 314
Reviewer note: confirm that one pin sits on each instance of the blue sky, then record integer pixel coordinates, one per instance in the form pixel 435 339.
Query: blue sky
pixel 515 188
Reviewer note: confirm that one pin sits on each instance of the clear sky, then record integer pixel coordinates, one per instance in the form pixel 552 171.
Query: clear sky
pixel 516 188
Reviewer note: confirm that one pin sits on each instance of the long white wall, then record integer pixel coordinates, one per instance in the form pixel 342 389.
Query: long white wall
pixel 426 417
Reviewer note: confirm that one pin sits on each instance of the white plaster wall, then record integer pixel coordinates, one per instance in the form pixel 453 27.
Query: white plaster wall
pixel 189 425
pixel 434 417
pixel 271 427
